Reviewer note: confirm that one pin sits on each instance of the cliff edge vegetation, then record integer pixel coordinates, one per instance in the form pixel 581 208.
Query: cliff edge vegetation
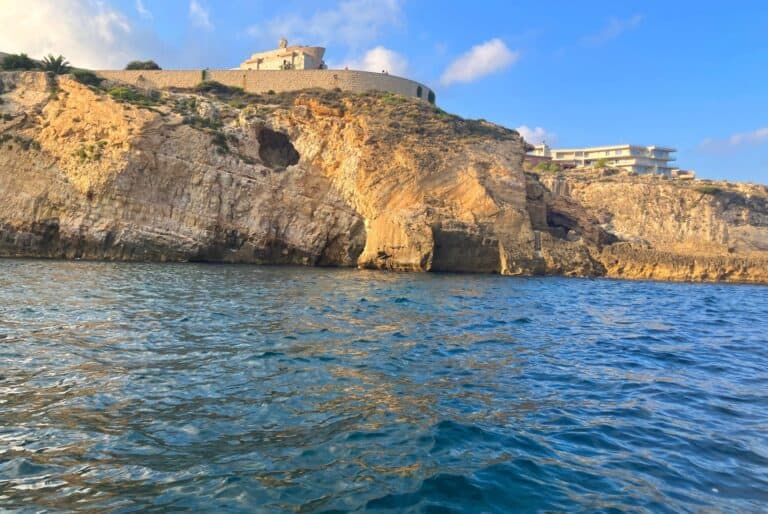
pixel 97 170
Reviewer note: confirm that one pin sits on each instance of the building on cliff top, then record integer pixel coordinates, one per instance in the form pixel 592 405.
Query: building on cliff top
pixel 634 158
pixel 287 58
pixel 288 68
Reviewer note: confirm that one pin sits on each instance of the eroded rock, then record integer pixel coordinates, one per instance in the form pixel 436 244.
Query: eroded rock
pixel 325 178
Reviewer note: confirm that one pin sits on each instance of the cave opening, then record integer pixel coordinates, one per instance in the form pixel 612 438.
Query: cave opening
pixel 276 150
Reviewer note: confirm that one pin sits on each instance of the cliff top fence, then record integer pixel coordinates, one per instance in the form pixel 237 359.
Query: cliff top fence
pixel 262 81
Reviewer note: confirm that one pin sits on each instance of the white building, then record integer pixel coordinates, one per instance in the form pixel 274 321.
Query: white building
pixel 287 58
pixel 639 159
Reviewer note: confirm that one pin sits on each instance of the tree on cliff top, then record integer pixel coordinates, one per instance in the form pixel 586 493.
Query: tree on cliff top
pixel 143 65
pixel 58 65
pixel 18 62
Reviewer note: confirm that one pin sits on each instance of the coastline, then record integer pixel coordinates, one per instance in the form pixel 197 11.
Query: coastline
pixel 649 279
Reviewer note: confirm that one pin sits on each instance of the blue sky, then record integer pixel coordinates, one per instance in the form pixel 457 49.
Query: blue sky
pixel 692 75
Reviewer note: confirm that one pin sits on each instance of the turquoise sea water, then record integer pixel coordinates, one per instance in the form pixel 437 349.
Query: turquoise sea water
pixel 156 388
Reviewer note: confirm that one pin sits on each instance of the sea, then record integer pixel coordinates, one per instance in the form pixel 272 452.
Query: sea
pixel 222 388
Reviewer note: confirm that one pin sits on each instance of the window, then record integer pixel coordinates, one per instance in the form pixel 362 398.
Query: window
pixel 431 97
pixel 419 91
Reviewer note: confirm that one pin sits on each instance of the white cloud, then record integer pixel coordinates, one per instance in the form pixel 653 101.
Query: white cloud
pixel 350 22
pixel 756 137
pixel 613 29
pixel 200 16
pixel 381 59
pixel 537 135
pixel 87 32
pixel 142 10
pixel 489 57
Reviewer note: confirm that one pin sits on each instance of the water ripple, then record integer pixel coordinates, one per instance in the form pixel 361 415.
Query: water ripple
pixel 139 387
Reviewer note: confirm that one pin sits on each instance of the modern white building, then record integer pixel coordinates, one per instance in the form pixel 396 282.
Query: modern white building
pixel 639 159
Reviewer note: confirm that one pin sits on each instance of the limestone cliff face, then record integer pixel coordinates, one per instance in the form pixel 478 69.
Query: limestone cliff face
pixel 329 178
pixel 319 178
pixel 673 229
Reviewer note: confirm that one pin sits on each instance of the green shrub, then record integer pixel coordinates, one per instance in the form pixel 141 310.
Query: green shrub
pixel 131 96
pixel 601 163
pixel 18 62
pixel 91 152
pixel 709 190
pixel 57 65
pixel 442 114
pixel 182 105
pixel 393 99
pixel 212 86
pixel 143 65
pixel 87 77
pixel 4 138
pixel 548 167
pixel 207 123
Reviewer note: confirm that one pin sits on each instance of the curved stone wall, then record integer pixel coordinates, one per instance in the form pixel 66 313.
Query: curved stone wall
pixel 262 81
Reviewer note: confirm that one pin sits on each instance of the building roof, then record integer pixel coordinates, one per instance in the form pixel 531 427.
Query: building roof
pixel 613 147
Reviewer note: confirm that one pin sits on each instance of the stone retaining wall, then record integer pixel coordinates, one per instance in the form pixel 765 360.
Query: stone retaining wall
pixel 262 81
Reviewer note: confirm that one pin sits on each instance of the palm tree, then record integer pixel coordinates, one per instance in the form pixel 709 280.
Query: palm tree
pixel 58 65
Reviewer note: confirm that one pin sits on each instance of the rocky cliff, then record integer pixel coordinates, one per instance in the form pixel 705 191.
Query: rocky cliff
pixel 673 229
pixel 104 171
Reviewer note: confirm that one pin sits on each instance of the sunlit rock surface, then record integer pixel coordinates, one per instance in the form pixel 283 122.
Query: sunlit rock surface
pixel 338 179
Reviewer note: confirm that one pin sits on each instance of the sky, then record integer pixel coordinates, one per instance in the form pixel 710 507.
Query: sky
pixel 691 75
